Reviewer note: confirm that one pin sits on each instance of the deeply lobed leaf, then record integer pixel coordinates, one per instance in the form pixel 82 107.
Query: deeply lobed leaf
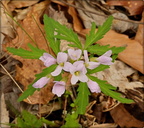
pixel 64 33
pixel 99 49
pixel 35 52
pixel 82 99
pixel 107 89
pixel 102 30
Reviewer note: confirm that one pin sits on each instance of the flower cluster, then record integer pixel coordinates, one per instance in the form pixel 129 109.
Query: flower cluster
pixel 76 63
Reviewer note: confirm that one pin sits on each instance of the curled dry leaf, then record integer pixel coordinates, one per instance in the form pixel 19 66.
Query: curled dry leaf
pixel 26 74
pixel 19 4
pixel 135 7
pixel 140 33
pixel 6 23
pixel 132 55
pixel 88 17
pixel 77 25
pixel 124 119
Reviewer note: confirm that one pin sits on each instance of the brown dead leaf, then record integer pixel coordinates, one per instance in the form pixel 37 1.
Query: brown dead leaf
pixel 140 33
pixel 19 4
pixel 77 25
pixel 26 74
pixel 134 7
pixel 105 125
pixel 132 55
pixel 124 119
pixel 6 22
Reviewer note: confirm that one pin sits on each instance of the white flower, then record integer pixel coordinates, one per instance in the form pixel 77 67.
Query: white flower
pixel 59 88
pixel 48 59
pixel 105 59
pixel 90 64
pixel 93 86
pixel 41 82
pixel 74 54
pixel 78 72
pixel 62 64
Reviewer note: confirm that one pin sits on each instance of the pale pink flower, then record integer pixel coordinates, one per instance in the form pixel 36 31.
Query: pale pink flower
pixel 105 59
pixel 59 88
pixel 90 64
pixel 48 59
pixel 78 72
pixel 62 64
pixel 41 82
pixel 93 86
pixel 74 54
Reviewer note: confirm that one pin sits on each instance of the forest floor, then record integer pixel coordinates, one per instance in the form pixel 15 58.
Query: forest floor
pixel 126 73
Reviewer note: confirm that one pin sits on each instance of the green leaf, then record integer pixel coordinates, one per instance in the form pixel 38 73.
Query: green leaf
pixel 102 30
pixel 64 32
pixel 100 50
pixel 31 89
pixel 20 123
pixel 71 121
pixel 49 123
pixel 31 120
pixel 107 89
pixel 97 69
pixel 82 99
pixel 50 31
pixel 27 93
pixel 35 52
pixel 58 78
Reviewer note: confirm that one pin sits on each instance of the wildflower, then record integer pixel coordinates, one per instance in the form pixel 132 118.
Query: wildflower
pixel 105 59
pixel 78 72
pixel 62 64
pixel 59 88
pixel 48 59
pixel 93 86
pixel 41 82
pixel 74 54
pixel 88 64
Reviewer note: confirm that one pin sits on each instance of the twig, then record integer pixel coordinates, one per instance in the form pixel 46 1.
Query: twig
pixel 136 22
pixel 13 80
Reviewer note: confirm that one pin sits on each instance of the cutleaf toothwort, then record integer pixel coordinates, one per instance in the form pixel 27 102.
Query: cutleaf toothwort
pixel 79 61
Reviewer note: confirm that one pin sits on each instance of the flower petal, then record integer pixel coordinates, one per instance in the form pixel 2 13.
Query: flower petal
pixel 67 66
pixel 62 57
pixel 105 60
pixel 92 65
pixel 45 56
pixel 93 86
pixel 74 79
pixel 86 56
pixel 108 53
pixel 41 82
pixel 57 71
pixel 59 88
pixel 48 59
pixel 80 67
pixel 74 54
pixel 83 78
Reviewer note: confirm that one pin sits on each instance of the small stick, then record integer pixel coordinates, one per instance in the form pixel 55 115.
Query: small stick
pixel 13 80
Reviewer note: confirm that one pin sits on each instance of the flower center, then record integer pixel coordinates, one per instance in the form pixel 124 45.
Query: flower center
pixel 94 59
pixel 86 64
pixel 61 64
pixel 77 73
